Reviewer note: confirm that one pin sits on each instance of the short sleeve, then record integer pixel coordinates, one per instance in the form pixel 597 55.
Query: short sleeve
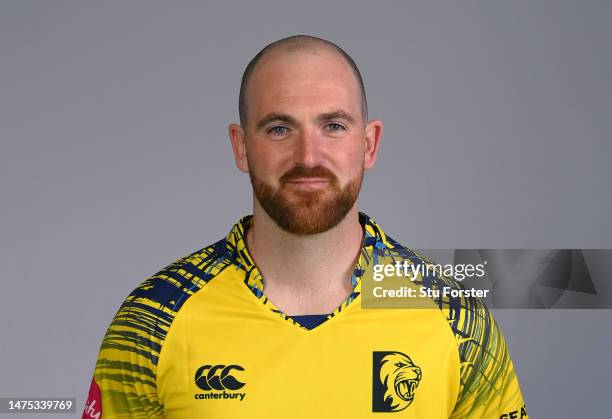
pixel 124 383
pixel 489 385
pixel 124 380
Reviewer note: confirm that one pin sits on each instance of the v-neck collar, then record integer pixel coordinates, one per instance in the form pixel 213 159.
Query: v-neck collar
pixel 373 238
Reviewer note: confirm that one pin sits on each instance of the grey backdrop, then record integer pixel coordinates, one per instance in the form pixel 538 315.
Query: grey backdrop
pixel 115 160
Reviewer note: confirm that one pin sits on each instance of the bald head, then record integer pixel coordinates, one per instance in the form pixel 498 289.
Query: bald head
pixel 293 45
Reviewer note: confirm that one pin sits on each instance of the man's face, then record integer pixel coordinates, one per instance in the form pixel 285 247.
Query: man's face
pixel 305 139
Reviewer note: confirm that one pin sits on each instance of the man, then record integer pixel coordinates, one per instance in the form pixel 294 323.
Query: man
pixel 268 322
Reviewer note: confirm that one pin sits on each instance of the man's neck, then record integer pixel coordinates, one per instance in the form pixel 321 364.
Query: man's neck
pixel 305 274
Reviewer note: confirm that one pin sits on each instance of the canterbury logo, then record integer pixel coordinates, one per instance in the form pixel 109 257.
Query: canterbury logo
pixel 218 377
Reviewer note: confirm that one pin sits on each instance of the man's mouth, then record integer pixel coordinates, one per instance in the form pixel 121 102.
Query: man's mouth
pixel 308 182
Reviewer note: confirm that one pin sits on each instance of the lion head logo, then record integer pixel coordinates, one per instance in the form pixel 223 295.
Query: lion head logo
pixel 395 382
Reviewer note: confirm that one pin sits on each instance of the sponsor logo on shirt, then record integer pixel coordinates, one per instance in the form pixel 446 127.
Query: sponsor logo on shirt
pixel 216 379
pixel 515 414
pixel 93 405
pixel 395 379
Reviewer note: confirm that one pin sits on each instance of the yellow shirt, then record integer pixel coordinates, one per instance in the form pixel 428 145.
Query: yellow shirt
pixel 199 339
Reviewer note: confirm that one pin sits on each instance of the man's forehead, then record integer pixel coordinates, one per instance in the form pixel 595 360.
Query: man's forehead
pixel 303 74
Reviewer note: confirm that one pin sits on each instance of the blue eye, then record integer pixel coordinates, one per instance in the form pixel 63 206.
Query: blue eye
pixel 277 130
pixel 334 127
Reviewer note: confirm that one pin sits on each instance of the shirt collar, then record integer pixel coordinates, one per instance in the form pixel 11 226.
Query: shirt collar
pixel 374 238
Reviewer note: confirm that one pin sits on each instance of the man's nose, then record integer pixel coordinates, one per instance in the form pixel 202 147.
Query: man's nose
pixel 307 150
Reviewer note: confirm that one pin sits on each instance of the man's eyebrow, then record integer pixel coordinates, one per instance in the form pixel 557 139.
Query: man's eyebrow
pixel 339 114
pixel 275 117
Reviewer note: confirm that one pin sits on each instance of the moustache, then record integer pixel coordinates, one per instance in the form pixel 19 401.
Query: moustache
pixel 300 172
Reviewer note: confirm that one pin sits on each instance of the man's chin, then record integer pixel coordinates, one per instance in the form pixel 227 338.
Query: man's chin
pixel 303 199
pixel 302 211
pixel 307 221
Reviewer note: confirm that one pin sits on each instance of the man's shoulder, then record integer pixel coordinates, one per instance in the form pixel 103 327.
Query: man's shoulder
pixel 149 310
pixel 170 287
pixel 432 274
pixel 467 314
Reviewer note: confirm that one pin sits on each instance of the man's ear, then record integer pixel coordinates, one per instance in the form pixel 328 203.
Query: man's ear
pixel 373 135
pixel 236 135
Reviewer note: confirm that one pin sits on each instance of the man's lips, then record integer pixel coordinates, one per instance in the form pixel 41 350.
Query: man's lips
pixel 308 180
pixel 307 183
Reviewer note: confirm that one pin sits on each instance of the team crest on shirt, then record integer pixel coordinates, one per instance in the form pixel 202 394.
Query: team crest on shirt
pixel 395 379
